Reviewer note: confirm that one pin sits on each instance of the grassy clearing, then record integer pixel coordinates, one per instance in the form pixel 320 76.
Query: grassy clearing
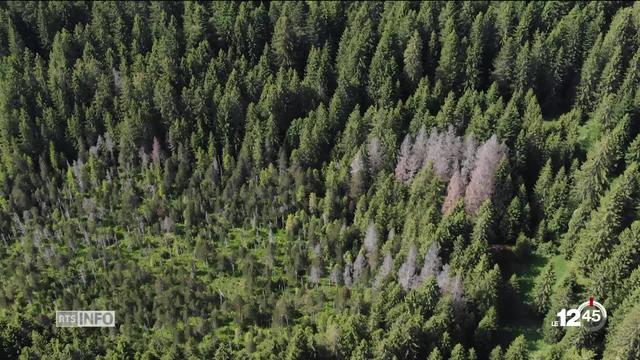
pixel 525 321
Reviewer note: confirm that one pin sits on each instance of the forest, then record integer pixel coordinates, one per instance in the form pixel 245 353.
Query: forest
pixel 319 180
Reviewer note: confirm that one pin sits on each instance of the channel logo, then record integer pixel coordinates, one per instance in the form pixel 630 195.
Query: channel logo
pixel 590 315
pixel 83 318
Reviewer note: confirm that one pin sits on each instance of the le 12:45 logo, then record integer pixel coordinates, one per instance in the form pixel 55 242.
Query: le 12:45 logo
pixel 590 315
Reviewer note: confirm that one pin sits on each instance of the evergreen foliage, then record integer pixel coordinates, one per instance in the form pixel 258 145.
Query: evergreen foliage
pixel 319 180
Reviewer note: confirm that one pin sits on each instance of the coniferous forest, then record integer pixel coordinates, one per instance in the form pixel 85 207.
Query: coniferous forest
pixel 319 180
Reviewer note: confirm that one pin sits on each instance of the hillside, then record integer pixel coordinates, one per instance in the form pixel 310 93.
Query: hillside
pixel 319 180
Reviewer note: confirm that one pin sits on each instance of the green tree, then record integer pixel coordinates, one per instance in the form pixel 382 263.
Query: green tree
pixel 624 342
pixel 317 73
pixel 496 353
pixel 475 62
pixel 384 72
pixel 611 272
pixel 285 42
pixel 517 350
pixel 601 232
pixel 458 353
pixel 543 289
pixel 595 172
pixel 300 345
pixel 504 66
pixel 485 330
pixel 435 354
pixel 413 65
pixel 448 70
pixel 223 352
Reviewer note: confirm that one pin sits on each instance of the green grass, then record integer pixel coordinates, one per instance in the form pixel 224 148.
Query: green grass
pixel 524 321
pixel 561 267
pixel 527 274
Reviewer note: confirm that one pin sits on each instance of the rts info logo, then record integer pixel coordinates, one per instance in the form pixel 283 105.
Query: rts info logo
pixel 83 318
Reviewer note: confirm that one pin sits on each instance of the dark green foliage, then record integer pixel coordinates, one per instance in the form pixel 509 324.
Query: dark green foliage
pixel 486 330
pixel 602 159
pixel 413 63
pixel 563 298
pixel 600 234
pixel 543 289
pixel 516 350
pixel 624 342
pixel 449 68
pixel 610 274
pixel 318 180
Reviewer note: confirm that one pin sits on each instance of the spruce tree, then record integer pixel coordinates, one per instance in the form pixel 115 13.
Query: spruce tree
pixel 413 65
pixel 448 70
pixel 600 234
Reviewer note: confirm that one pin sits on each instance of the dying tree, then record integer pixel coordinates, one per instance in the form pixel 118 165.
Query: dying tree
pixel 482 182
